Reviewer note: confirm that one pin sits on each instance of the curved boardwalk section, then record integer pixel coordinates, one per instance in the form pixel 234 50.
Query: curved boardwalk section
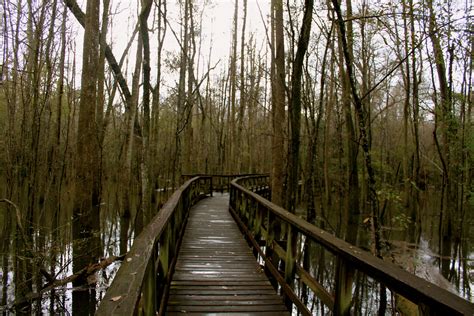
pixel 216 272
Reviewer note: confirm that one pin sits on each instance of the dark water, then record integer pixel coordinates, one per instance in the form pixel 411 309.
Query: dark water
pixel 52 250
pixel 59 301
pixel 415 250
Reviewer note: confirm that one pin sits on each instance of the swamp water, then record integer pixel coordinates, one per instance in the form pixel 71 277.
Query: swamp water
pixel 417 251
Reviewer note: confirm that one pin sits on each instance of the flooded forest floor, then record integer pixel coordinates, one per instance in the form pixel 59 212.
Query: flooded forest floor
pixel 43 270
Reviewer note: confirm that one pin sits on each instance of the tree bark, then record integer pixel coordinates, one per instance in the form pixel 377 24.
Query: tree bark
pixel 361 116
pixel 444 124
pixel 233 91
pixel 86 216
pixel 80 16
pixel 182 118
pixel 295 106
pixel 145 163
pixel 352 201
pixel 278 104
pixel 241 152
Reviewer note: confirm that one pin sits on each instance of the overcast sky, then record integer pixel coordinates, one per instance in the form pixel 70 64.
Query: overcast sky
pixel 216 26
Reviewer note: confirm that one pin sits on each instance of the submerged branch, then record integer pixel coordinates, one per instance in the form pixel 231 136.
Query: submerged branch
pixel 53 283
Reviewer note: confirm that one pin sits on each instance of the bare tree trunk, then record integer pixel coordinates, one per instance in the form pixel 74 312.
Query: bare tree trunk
pixel 356 99
pixel 155 109
pixel 416 115
pixel 189 154
pixel 134 147
pixel 361 116
pixel 240 152
pixel 86 216
pixel 331 108
pixel 233 90
pixel 182 119
pixel 101 71
pixel 407 80
pixel 443 124
pixel 144 164
pixel 278 103
pixel 295 106
pixel 313 158
pixel 76 10
pixel 352 202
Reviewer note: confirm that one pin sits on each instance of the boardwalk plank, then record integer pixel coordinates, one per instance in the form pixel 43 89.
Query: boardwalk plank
pixel 240 313
pixel 226 308
pixel 250 301
pixel 250 297
pixel 216 271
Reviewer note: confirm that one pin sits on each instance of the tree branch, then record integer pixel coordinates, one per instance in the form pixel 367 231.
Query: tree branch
pixel 80 17
pixel 85 272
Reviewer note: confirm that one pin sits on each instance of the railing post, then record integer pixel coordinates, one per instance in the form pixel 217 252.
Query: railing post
pixel 211 189
pixel 343 295
pixel 258 220
pixel 273 236
pixel 164 260
pixel 243 210
pixel 290 255
pixel 174 230
pixel 290 261
pixel 149 298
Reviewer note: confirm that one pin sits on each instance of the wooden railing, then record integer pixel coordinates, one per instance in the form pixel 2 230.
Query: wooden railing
pixel 140 286
pixel 273 232
pixel 220 182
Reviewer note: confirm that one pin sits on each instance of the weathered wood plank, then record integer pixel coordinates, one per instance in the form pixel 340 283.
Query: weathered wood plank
pixel 246 283
pixel 216 271
pixel 214 265
pixel 227 308
pixel 203 292
pixel 222 286
pixel 204 301
pixel 272 313
pixel 254 298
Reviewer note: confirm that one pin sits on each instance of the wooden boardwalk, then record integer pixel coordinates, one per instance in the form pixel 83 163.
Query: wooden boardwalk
pixel 216 272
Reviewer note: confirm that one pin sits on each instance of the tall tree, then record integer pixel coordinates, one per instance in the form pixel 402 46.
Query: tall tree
pixel 155 107
pixel 415 110
pixel 295 105
pixel 233 92
pixel 182 118
pixel 352 200
pixel 86 217
pixel 145 163
pixel 278 103
pixel 243 94
pixel 444 124
pixel 363 131
pixel 189 161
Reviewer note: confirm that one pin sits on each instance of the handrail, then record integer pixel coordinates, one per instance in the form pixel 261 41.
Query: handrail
pixel 260 219
pixel 220 181
pixel 140 286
